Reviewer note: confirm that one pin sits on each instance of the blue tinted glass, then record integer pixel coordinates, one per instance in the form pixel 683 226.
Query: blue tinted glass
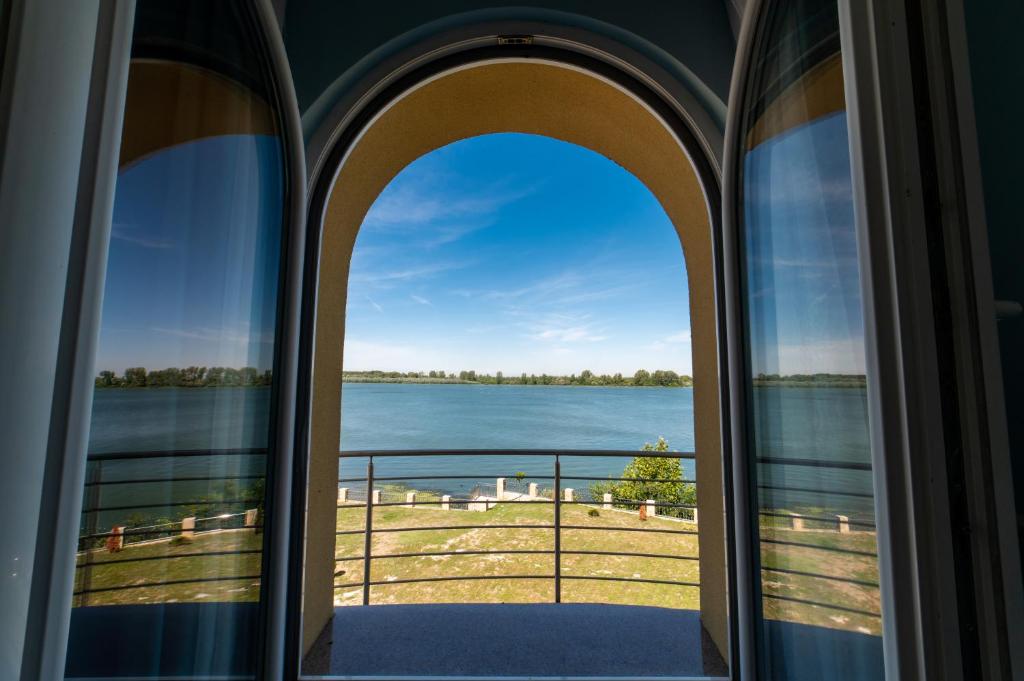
pixel 168 581
pixel 820 604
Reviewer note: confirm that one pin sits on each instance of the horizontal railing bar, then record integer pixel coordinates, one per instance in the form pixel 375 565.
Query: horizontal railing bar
pixel 781 488
pixel 170 582
pixel 848 580
pixel 481 477
pixel 426 554
pixel 134 533
pixel 625 554
pixel 631 579
pixel 182 555
pixel 815 463
pixel 197 478
pixel 628 554
pixel 626 453
pixel 630 502
pixel 434 502
pixel 612 528
pixel 815 518
pixel 450 527
pixel 599 479
pixel 490 476
pixel 133 507
pixel 417 580
pixel 853 552
pixel 361 503
pixel 804 601
pixel 175 454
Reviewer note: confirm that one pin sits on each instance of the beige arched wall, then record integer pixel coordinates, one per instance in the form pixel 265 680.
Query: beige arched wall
pixel 529 97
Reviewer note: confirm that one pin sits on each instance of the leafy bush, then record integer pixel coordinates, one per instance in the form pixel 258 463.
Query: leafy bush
pixel 635 490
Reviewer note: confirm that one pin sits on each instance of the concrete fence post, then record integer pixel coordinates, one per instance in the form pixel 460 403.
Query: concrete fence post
pixel 410 498
pixel 694 514
pixel 652 509
pixel 188 527
pixel 607 505
pixel 375 497
pixel 446 502
pixel 499 489
pixel 844 524
pixel 797 521
pixel 250 517
pixel 115 542
pixel 342 495
pixel 533 490
pixel 569 492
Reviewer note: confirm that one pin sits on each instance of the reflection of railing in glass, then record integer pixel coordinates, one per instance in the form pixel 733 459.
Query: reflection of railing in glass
pixel 172 536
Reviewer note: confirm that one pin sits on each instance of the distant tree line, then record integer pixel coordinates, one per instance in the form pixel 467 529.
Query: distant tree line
pixel 812 380
pixel 189 377
pixel 661 377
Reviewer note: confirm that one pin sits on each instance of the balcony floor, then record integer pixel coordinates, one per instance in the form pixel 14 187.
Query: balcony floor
pixel 514 640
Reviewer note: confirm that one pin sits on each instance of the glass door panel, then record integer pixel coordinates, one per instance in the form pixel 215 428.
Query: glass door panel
pixel 818 609
pixel 169 575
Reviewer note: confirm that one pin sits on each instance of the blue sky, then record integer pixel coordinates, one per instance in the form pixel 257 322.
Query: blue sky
pixel 517 253
pixel 803 273
pixel 193 260
pixel 509 252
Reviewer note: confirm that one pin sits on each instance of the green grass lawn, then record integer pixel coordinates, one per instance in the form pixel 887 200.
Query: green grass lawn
pixel 179 562
pixel 516 591
pixel 157 563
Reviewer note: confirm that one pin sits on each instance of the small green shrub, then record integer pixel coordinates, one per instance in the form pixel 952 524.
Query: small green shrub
pixel 593 513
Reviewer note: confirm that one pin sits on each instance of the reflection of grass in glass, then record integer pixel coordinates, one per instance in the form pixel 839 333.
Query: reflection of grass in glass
pixel 811 559
pixel 174 566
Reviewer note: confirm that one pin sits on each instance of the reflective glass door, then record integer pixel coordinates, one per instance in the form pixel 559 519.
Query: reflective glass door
pixel 813 541
pixel 170 578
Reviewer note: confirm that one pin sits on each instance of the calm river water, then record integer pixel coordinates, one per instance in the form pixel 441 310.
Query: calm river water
pixel 800 423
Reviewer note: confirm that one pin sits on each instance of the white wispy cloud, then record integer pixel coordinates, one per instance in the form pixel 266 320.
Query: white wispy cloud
pixel 835 355
pixel 215 335
pixel 572 334
pixel 683 337
pixel 388 277
pixel 376 305
pixel 420 203
pixel 420 299
pixel 123 233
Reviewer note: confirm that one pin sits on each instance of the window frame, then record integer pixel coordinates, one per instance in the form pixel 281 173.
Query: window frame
pixel 48 624
pixel 885 60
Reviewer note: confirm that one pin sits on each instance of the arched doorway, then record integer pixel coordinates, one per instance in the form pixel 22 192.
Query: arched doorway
pixel 539 97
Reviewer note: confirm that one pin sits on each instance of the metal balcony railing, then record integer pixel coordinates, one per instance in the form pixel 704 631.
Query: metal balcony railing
pixel 556 527
pixel 105 518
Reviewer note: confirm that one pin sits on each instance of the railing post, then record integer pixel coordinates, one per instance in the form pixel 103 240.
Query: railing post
pixel 94 478
pixel 368 534
pixel 558 530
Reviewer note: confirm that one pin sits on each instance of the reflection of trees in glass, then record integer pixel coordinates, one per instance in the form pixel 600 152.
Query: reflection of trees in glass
pixel 189 377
